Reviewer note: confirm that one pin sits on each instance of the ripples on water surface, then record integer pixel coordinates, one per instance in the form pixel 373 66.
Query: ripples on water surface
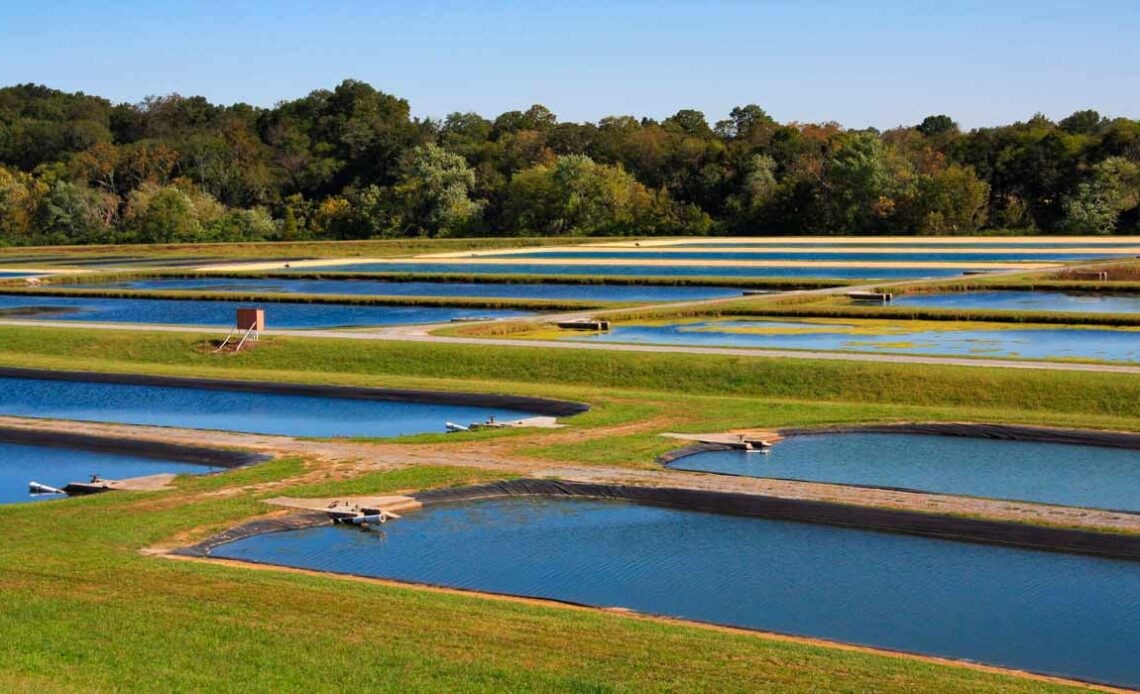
pixel 1024 470
pixel 1026 301
pixel 1036 610
pixel 1105 344
pixel 806 270
pixel 221 313
pixel 261 413
pixel 55 467
pixel 581 292
pixel 921 256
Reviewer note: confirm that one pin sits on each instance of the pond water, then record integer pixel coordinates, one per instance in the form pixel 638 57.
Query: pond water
pixel 865 255
pixel 260 413
pixel 806 270
pixel 1041 611
pixel 1104 344
pixel 1050 473
pixel 56 467
pixel 221 313
pixel 582 292
pixel 1026 301
pixel 1002 245
pixel 13 274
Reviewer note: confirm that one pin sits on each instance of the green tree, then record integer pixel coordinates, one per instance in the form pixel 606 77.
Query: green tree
pixel 933 126
pixel 433 193
pixel 579 196
pixel 163 215
pixel 289 231
pixel 1095 208
pixel 1081 123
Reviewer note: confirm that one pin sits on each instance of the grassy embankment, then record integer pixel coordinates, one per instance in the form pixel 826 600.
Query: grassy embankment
pixel 446 277
pixel 84 610
pixel 677 391
pixel 380 248
pixel 1123 276
pixel 521 304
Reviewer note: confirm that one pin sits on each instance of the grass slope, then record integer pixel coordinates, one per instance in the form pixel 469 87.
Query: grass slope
pixel 83 609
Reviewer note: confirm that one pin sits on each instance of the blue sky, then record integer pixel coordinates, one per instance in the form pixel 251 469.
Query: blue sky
pixel 860 63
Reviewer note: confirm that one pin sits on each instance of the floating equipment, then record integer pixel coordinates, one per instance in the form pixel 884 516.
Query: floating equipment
pixel 37 488
pixel 876 297
pixel 453 427
pixel 369 519
pixel 594 324
pixel 355 515
pixel 470 319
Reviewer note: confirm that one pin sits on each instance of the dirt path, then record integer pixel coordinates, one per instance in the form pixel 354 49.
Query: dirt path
pixel 332 460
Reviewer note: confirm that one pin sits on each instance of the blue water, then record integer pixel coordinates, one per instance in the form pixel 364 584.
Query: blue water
pixel 1026 301
pixel 921 256
pixel 1106 344
pixel 56 467
pixel 582 292
pixel 260 413
pixel 916 242
pixel 13 274
pixel 221 313
pixel 1048 612
pixel 1026 471
pixel 808 270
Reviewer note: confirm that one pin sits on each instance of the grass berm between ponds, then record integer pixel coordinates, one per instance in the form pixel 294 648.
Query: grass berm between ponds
pixel 84 610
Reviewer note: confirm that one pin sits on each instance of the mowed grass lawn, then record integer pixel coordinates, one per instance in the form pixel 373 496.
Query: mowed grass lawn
pixel 383 248
pixel 82 608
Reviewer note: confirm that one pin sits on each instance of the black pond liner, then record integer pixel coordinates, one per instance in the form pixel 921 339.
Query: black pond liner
pixel 1002 432
pixel 1066 540
pixel 538 406
pixel 993 432
pixel 730 503
pixel 196 455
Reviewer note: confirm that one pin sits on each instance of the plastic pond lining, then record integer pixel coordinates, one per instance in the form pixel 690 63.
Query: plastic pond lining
pixel 538 406
pixel 1001 432
pixel 1116 546
pixel 197 455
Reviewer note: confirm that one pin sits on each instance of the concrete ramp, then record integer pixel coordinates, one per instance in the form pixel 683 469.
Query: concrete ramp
pixel 349 504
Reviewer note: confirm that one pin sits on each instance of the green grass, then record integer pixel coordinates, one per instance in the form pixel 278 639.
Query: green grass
pixel 84 610
pixel 902 313
pixel 505 369
pixel 774 283
pixel 340 299
pixel 380 248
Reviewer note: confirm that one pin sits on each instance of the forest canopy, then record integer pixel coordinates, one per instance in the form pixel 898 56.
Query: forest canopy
pixel 352 163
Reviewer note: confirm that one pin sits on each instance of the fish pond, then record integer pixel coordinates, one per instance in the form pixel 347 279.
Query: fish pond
pixel 903 337
pixel 633 269
pixel 1041 611
pixel 809 255
pixel 1077 302
pixel 490 290
pixel 1052 473
pixel 234 410
pixel 221 313
pixel 56 467
pixel 1004 245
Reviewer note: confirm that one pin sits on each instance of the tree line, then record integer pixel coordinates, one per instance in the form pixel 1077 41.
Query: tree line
pixel 352 163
